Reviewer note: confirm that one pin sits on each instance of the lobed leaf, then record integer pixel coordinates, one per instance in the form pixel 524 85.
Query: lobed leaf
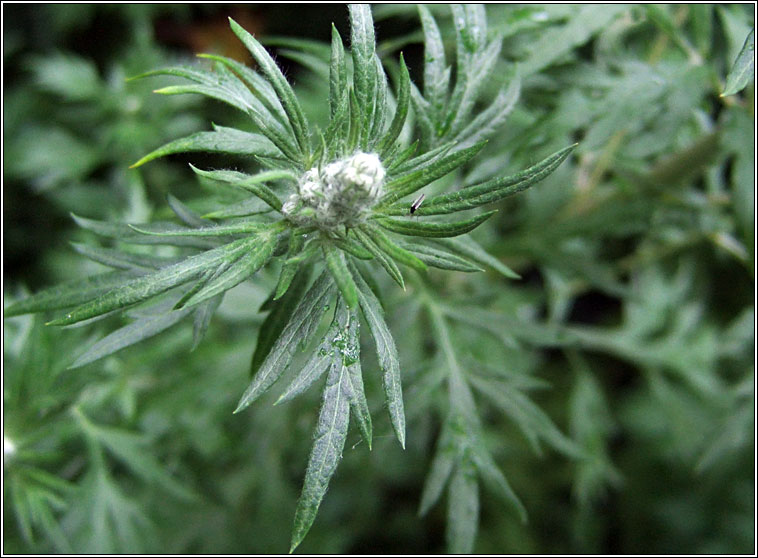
pixel 70 293
pixel 221 140
pixel 378 114
pixel 487 121
pixel 282 308
pixel 185 214
pixel 250 206
pixel 279 82
pixel 406 184
pixel 335 263
pixel 328 352
pixel 393 250
pixel 252 183
pixel 297 332
pixel 337 74
pixel 743 68
pixel 423 159
pixel 479 73
pixel 401 112
pixel 222 86
pixel 125 233
pixel 270 106
pixel 170 229
pixel 347 244
pixel 414 227
pixel 489 191
pixel 439 258
pixel 329 441
pixel 202 319
pixel 496 481
pixel 120 259
pixel 351 358
pixel 384 260
pixel 126 336
pixel 153 284
pixel 362 48
pixel 436 72
pixel 439 470
pixel 387 353
pixel 465 246
pixel 531 420
pixel 258 252
pixel 463 509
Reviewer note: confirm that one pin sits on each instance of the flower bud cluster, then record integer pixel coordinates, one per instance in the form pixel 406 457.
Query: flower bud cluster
pixel 341 193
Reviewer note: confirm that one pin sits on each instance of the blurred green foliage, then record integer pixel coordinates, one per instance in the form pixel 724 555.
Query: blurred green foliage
pixel 613 384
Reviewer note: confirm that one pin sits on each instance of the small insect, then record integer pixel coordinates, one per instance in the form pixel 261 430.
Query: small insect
pixel 417 203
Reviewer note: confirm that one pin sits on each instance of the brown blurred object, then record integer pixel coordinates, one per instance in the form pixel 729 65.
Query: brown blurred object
pixel 212 33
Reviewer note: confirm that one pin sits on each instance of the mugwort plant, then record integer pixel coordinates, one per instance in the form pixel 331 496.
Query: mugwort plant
pixel 331 207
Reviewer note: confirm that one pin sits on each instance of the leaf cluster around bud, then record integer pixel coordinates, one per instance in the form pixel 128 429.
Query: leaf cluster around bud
pixel 316 220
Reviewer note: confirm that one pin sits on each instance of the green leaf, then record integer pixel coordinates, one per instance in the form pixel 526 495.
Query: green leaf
pixel 489 191
pixel 120 259
pixel 251 183
pixel 328 352
pixel 125 233
pixel 289 269
pixel 439 470
pixel 250 206
pixel 463 509
pixel 262 90
pixel 496 481
pixel 439 258
pixel 133 450
pixel 297 332
pixel 221 86
pixel 415 227
pixel 385 261
pixel 329 441
pixel 352 247
pixel 350 354
pixel 466 247
pixel 148 286
pixel 362 45
pixel 203 313
pixel 72 77
pixel 484 124
pixel 555 43
pixel 532 421
pixel 743 69
pixel 337 74
pixel 406 184
pixel 70 293
pixel 410 165
pixel 393 250
pixel 258 252
pixel 379 114
pixel 401 112
pixel 170 229
pixel 277 319
pixel 185 214
pixel 221 140
pixel 126 336
pixel 279 82
pixel 395 161
pixel 480 72
pixel 335 263
pixel 436 71
pixel 424 123
pixel 387 353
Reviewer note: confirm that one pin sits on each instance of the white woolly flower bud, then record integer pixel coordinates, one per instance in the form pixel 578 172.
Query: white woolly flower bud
pixel 342 193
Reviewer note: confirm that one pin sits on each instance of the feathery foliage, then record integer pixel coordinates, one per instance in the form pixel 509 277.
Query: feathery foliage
pixel 348 182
